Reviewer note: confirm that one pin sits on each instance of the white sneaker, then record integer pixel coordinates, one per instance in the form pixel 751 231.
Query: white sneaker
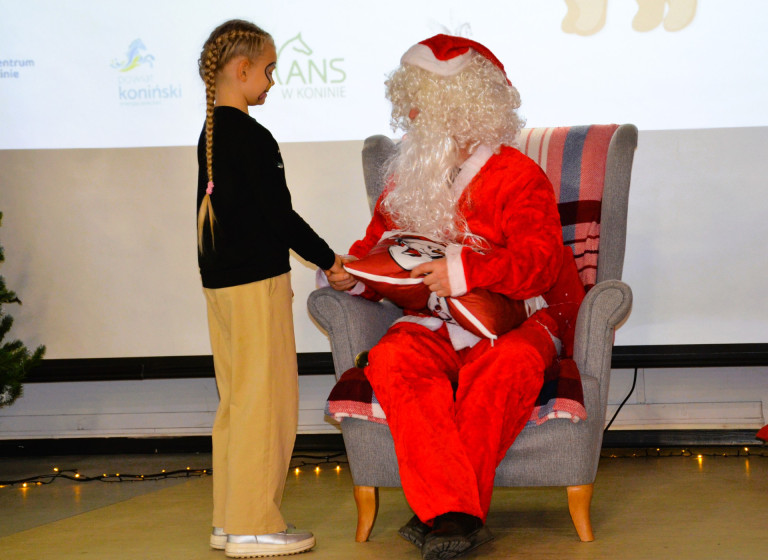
pixel 218 538
pixel 290 541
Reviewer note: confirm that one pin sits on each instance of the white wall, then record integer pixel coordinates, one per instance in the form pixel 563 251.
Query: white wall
pixel 663 399
pixel 148 408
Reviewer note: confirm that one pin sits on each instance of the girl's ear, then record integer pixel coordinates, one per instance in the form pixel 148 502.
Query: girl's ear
pixel 242 67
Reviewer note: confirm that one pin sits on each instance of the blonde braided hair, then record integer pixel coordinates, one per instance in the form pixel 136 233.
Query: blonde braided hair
pixel 232 38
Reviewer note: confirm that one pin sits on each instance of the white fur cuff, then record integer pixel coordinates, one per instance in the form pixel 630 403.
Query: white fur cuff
pixel 456 274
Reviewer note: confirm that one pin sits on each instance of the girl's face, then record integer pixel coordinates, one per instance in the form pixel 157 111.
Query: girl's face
pixel 259 78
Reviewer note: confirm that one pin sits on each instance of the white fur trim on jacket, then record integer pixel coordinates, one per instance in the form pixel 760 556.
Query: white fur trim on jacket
pixel 460 337
pixel 456 275
pixel 470 168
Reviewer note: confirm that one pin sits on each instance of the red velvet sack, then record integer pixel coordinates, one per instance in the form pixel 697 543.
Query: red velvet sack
pixel 387 270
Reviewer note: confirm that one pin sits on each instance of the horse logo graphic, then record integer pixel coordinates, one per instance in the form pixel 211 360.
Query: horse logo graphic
pixel 288 53
pixel 299 65
pixel 133 57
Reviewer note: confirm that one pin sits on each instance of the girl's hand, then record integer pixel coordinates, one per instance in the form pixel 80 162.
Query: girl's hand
pixel 338 278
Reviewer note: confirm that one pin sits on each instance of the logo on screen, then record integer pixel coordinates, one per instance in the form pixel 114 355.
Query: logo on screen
pixel 133 58
pixel 305 74
pixel 136 81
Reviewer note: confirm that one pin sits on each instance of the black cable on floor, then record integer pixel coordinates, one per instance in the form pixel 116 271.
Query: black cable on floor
pixel 634 382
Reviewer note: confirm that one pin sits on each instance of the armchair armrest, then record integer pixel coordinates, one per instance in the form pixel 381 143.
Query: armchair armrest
pixel 605 306
pixel 353 323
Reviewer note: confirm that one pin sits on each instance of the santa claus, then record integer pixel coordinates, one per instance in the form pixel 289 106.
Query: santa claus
pixel 454 401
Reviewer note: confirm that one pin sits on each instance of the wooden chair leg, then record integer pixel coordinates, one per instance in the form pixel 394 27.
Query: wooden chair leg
pixel 579 500
pixel 367 500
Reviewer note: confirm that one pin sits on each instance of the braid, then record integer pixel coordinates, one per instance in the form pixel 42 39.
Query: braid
pixel 230 39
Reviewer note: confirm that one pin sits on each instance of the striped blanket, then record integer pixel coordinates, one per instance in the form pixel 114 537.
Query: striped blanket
pixel 561 396
pixel 574 159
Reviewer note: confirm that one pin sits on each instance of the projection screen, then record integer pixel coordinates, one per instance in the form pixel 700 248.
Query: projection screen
pixel 101 106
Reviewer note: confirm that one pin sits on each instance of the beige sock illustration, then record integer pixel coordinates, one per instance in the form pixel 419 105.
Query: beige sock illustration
pixel 650 14
pixel 680 14
pixel 587 17
pixel 584 17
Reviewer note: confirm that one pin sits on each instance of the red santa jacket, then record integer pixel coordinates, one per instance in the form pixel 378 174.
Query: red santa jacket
pixel 511 204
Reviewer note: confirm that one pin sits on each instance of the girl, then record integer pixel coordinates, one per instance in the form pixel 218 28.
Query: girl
pixel 246 226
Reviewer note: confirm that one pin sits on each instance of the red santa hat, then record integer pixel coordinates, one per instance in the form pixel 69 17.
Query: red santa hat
pixel 446 55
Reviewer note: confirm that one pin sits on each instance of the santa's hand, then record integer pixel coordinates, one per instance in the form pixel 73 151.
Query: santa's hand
pixel 435 276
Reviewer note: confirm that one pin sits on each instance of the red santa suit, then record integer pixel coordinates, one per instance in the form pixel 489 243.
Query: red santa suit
pixel 455 403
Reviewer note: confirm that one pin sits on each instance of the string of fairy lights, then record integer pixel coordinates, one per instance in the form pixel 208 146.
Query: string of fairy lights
pixel 299 464
pixel 319 463
pixel 335 462
pixel 696 453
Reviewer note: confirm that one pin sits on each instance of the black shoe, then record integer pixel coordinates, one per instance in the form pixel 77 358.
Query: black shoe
pixel 481 536
pixel 452 535
pixel 414 531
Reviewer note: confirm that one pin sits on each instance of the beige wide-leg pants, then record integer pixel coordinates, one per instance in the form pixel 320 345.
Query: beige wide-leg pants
pixel 254 354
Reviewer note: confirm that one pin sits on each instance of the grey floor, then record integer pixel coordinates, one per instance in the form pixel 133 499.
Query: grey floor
pixel 675 506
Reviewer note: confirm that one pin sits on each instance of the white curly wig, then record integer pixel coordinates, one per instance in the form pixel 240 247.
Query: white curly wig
pixel 456 114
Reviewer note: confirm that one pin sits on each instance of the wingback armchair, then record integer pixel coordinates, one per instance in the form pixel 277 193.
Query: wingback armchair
pixel 589 167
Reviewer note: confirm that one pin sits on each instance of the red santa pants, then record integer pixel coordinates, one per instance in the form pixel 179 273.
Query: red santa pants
pixel 448 448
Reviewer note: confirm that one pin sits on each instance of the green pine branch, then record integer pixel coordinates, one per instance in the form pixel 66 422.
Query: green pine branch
pixel 15 359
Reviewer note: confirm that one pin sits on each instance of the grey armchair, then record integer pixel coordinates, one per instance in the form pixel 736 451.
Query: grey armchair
pixel 557 452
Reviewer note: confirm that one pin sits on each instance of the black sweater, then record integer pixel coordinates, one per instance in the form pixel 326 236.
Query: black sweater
pixel 255 224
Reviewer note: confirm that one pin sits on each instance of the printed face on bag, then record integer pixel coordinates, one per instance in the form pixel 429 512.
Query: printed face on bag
pixel 409 252
pixel 439 308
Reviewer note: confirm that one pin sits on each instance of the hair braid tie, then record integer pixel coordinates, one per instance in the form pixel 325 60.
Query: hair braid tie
pixel 209 188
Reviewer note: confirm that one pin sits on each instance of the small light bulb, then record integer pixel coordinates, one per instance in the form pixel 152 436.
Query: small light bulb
pixel 24 485
pixel 317 469
pixel 338 468
pixel 77 475
pixel 55 469
pixel 297 471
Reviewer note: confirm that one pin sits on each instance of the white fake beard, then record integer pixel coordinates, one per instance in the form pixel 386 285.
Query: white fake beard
pixel 423 170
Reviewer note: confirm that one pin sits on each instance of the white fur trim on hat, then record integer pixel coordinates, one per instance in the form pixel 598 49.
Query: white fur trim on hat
pixel 423 57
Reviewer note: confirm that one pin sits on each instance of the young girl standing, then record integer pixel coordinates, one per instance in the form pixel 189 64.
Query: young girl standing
pixel 246 226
